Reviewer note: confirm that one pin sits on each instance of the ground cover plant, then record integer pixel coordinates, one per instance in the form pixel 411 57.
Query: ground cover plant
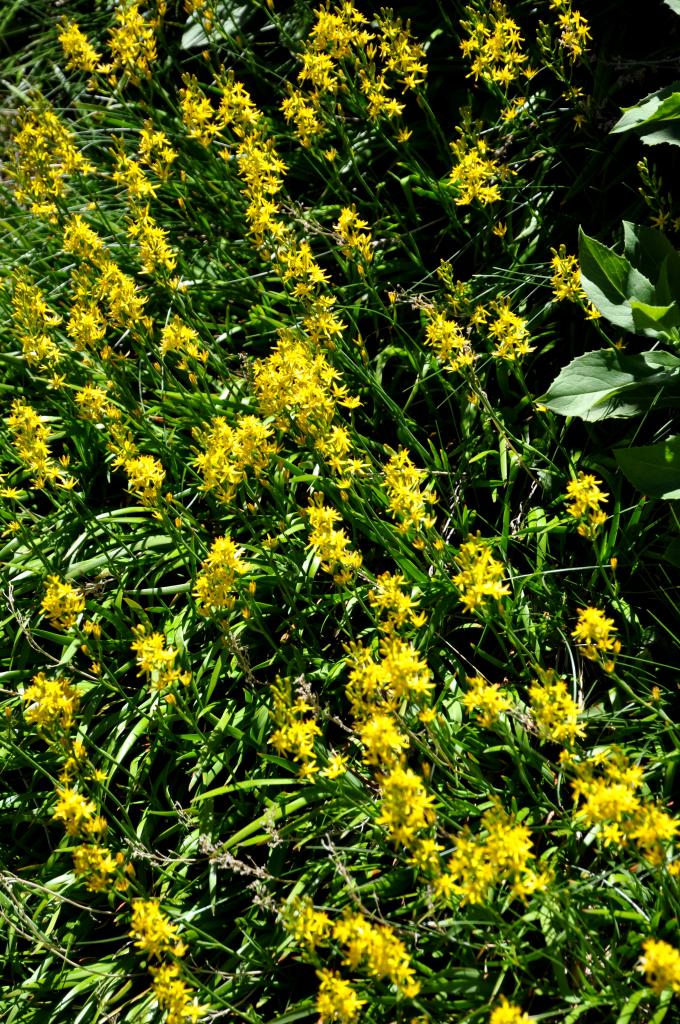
pixel 339 639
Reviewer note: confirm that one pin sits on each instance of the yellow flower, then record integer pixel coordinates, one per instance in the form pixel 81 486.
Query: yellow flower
pixel 555 711
pixel 336 999
pixel 51 702
pixel 78 814
pixel 406 807
pixel 79 52
pixel 296 726
pixel 336 767
pixel 382 739
pixel 508 1013
pixel 487 699
pixel 154 659
pixel 153 931
pixel 661 964
pixel 175 996
pixel 511 334
pixel 406 501
pixel 132 43
pixel 593 633
pixel 330 544
pixel 585 497
pixel 475 175
pixel 376 948
pixel 450 342
pixel 215 583
pixel 494 45
pixel 146 477
pixel 480 574
pixel 97 865
pixel 480 862
pixel 310 927
pixel 62 603
pixel 566 277
pixel 229 452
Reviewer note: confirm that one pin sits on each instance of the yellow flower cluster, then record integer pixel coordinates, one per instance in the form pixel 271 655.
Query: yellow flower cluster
pixel 493 44
pixel 146 477
pixel 451 344
pixel 174 995
pixel 400 674
pixel 585 497
pixel 406 502
pixel 155 150
pixel 374 949
pixel 480 574
pixel 296 727
pixel 51 703
pixel 566 276
pixel 78 814
pixel 554 710
pixel 376 690
pixel 475 175
pixel 299 388
pixel 215 584
pixel 397 608
pixel 487 700
pixel 230 451
pixel 79 52
pixel 155 254
pixel 386 63
pixel 574 29
pixel 606 791
pixel 593 634
pixel 510 333
pixel 31 441
pixel 502 853
pixel 354 233
pixel 661 964
pixel 178 337
pixel 46 155
pixel 332 545
pixel 132 44
pixel 153 931
pixel 33 320
pixel 406 808
pixel 508 1013
pixel 336 1000
pixel 62 603
pixel 155 660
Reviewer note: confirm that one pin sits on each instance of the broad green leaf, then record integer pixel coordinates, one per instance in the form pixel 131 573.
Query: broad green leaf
pixel 654 469
pixel 655 321
pixel 653 255
pixel 605 384
pixel 658 107
pixel 673 4
pixel 610 281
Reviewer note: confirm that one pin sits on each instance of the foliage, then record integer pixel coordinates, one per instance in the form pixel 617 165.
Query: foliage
pixel 337 664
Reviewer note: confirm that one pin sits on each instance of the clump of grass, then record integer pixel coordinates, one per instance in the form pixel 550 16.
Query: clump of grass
pixel 337 670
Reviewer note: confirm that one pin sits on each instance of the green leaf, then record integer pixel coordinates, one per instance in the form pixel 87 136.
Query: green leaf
pixel 605 384
pixel 673 4
pixel 660 111
pixel 653 255
pixel 610 281
pixel 628 1010
pixel 672 553
pixel 654 469
pixel 655 321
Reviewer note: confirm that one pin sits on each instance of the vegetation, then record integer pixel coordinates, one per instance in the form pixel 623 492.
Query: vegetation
pixel 337 469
